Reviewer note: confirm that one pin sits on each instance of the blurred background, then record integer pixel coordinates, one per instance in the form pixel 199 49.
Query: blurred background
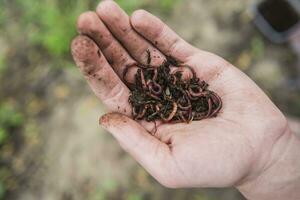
pixel 51 146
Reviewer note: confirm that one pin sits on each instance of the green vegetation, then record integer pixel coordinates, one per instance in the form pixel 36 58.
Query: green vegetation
pixel 50 24
pixel 257 47
pixel 10 120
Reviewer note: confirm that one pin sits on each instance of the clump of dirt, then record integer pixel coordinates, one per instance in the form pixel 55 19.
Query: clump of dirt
pixel 161 94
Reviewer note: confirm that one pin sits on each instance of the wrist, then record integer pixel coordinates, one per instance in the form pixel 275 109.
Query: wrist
pixel 281 180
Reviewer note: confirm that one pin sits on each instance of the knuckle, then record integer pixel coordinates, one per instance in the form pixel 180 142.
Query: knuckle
pixel 174 45
pixel 160 33
pixel 116 91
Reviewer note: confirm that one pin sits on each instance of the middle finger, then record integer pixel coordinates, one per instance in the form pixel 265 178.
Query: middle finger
pixel 90 24
pixel 118 23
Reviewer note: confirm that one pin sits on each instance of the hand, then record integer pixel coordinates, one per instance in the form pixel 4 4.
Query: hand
pixel 232 149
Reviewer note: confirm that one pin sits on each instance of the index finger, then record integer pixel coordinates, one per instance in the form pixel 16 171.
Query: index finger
pixel 103 81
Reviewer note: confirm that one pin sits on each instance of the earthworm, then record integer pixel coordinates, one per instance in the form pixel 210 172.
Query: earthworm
pixel 159 94
pixel 171 115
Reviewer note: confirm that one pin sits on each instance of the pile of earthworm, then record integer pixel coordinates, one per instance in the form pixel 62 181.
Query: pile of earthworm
pixel 162 93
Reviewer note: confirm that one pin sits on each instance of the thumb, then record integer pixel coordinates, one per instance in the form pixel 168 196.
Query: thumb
pixel 150 152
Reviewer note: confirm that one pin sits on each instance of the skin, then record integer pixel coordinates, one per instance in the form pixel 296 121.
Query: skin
pixel 247 144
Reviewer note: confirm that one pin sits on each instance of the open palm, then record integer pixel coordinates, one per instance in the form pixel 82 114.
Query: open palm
pixel 227 150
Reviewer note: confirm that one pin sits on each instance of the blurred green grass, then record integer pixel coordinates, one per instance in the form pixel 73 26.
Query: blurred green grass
pixel 9 119
pixel 50 24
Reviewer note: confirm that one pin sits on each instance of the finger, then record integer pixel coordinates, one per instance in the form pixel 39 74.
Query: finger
pixel 159 34
pixel 118 23
pixel 104 82
pixel 89 23
pixel 152 154
pixel 207 66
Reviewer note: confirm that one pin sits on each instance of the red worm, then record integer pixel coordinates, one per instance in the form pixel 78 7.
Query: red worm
pixel 191 70
pixel 153 96
pixel 188 102
pixel 190 117
pixel 157 107
pixel 142 114
pixel 190 96
pixel 134 112
pixel 171 115
pixel 199 116
pixel 143 80
pixel 182 117
pixel 209 108
pixel 154 78
pixel 217 101
pixel 127 67
pixel 200 93
pixel 155 128
pixel 177 70
pixel 173 79
pixel 155 88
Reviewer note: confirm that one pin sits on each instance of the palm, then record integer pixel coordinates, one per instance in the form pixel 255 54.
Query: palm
pixel 220 151
pixel 213 152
